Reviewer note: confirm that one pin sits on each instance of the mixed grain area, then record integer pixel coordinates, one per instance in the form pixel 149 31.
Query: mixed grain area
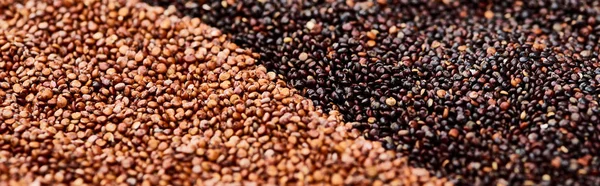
pixel 332 92
pixel 105 92
pixel 484 92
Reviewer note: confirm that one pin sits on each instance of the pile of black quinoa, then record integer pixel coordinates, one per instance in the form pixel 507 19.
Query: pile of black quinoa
pixel 486 92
